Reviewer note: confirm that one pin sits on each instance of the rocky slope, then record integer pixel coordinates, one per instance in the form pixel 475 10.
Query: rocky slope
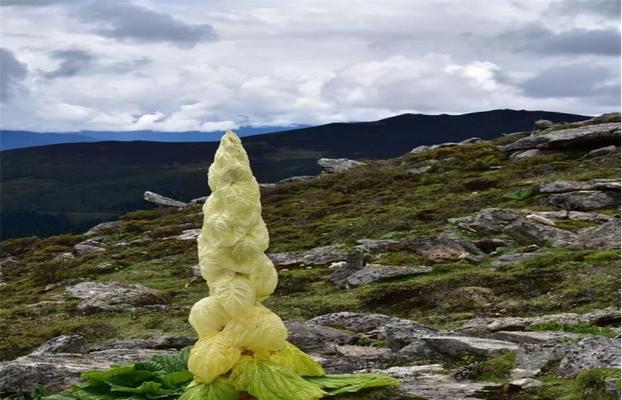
pixel 479 269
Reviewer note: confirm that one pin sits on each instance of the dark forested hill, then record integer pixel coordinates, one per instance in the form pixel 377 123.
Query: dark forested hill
pixel 68 187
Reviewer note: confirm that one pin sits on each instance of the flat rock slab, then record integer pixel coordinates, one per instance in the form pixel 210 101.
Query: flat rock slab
pixel 461 345
pixel 574 186
pixel 55 371
pixel 591 352
pixel 373 272
pixel 534 337
pixel 163 201
pixel 356 322
pixel 482 325
pixel 589 135
pixel 332 165
pixel 189 234
pixel 316 256
pixel 318 339
pixel 584 200
pixel 515 258
pixel 111 295
pixel 605 236
pixel 428 382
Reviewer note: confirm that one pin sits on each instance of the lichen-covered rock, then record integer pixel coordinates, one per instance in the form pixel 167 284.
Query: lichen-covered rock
pixel 315 338
pixel 315 256
pixel 590 352
pixel 332 165
pixel 98 296
pixel 584 200
pixel 163 201
pixel 457 346
pixel 584 136
pixel 373 272
pixel 573 186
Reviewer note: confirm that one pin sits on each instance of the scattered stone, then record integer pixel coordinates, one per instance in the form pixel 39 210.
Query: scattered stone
pixel 591 352
pixel 401 333
pixel 584 136
pixel 534 337
pixel 441 249
pixel 488 221
pixel 316 256
pixel 465 345
pixel 66 256
pixel 525 231
pixel 104 227
pixel 316 338
pixel 196 270
pixel 588 217
pixel 164 201
pixel 111 295
pixel 541 219
pixel 515 258
pixel 531 358
pixel 541 124
pixel 482 325
pixel 574 186
pixel 199 200
pixel 421 170
pixel 419 149
pixel 62 344
pixel 470 140
pixel 355 322
pixel 605 236
pixel 332 165
pixel 379 246
pixel 527 383
pixel 524 154
pixel 89 246
pixel 157 343
pixel 105 267
pixel 364 353
pixel 55 371
pixel 375 272
pixel 602 151
pixel 584 200
pixel 189 234
pixel 443 145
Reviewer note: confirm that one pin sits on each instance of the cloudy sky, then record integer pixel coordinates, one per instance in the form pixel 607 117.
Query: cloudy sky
pixel 209 65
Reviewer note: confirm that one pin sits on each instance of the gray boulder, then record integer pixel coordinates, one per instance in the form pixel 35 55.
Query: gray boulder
pixel 420 149
pixel 605 236
pixel 584 136
pixel 318 339
pixel 534 337
pixel 355 322
pixel 89 246
pixel 374 272
pixel 488 221
pixel 602 151
pixel 591 352
pixel 98 296
pixel 542 124
pixel 573 186
pixel 104 227
pixel 332 165
pixel 524 154
pixel 442 249
pixel 584 200
pixel 526 231
pixel 316 256
pixel 163 201
pixel 57 370
pixel 458 346
pixel 189 234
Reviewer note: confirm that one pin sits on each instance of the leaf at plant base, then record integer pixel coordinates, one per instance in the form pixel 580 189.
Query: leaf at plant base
pixel 267 380
pixel 127 376
pixel 219 389
pixel 178 378
pixel 350 383
pixel 151 390
pixel 294 359
pixel 172 363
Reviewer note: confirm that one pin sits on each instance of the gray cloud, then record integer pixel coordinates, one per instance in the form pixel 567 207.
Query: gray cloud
pixel 13 73
pixel 32 3
pixel 72 62
pixel 125 21
pixel 575 80
pixel 603 8
pixel 537 39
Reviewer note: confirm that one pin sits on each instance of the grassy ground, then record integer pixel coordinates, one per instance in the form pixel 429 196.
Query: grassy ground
pixel 381 200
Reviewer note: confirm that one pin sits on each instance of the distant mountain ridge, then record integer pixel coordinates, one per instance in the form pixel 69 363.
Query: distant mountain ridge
pixel 20 139
pixel 69 187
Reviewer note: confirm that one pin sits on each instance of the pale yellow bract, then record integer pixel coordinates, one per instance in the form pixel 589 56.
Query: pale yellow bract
pixel 231 321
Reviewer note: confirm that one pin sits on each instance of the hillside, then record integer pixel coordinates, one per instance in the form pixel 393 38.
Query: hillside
pixel 69 187
pixel 487 263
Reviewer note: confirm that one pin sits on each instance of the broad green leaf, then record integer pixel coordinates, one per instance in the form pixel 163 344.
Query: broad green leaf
pixel 175 362
pixel 267 380
pixel 177 378
pixel 219 389
pixel 292 358
pixel 350 383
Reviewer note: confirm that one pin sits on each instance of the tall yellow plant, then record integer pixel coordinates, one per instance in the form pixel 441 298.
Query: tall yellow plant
pixel 242 344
